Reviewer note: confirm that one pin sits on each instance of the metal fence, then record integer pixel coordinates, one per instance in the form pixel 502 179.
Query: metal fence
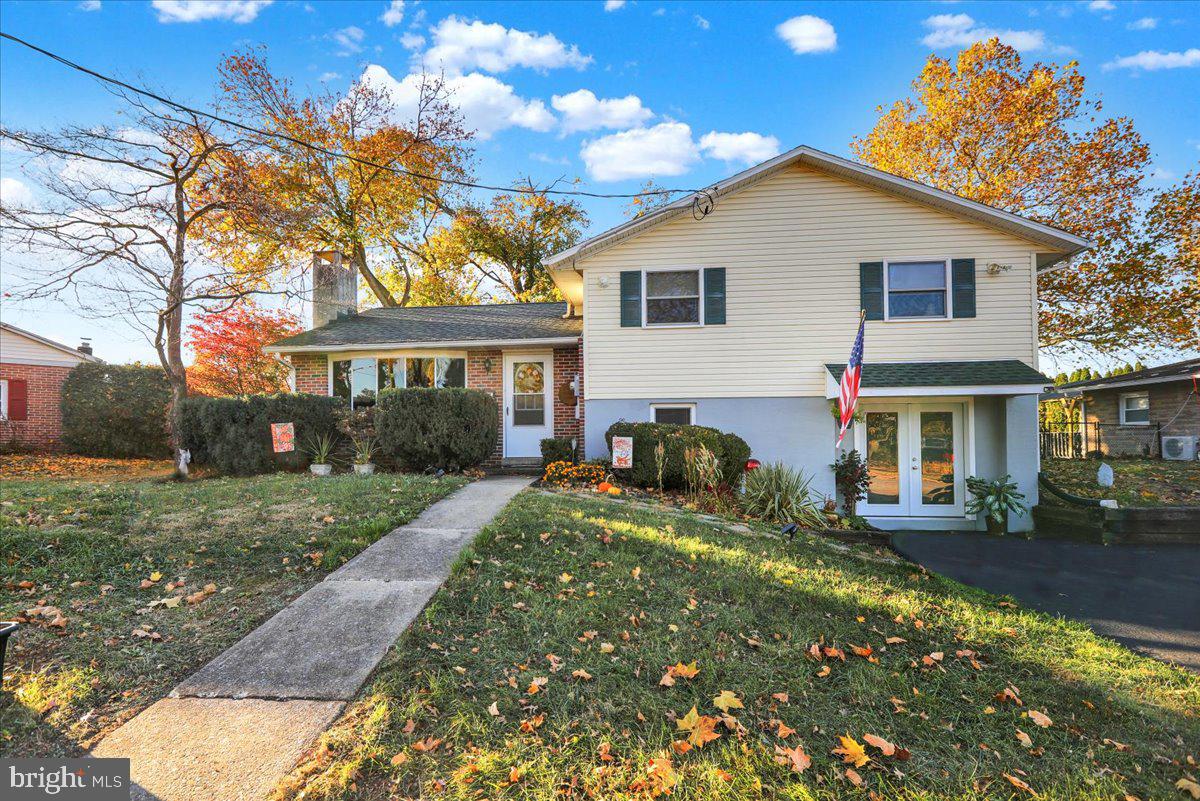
pixel 1076 440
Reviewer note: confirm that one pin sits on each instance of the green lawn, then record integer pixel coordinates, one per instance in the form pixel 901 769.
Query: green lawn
pixel 1136 482
pixel 536 673
pixel 87 548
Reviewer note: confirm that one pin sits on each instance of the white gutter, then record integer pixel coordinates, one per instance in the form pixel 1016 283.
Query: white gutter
pixel 463 343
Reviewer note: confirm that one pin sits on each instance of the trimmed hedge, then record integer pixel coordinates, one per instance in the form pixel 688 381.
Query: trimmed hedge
pixel 233 435
pixel 447 428
pixel 730 449
pixel 557 449
pixel 116 410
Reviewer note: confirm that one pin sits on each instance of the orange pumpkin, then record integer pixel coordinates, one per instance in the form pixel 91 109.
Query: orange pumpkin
pixel 603 486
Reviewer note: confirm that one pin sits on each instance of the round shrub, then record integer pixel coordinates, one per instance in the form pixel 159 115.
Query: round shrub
pixel 449 428
pixel 116 410
pixel 730 449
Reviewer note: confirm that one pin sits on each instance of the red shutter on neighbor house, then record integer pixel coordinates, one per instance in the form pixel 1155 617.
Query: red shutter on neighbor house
pixel 18 399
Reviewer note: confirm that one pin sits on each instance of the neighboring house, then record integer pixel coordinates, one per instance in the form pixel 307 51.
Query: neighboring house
pixel 1129 414
pixel 742 320
pixel 32 372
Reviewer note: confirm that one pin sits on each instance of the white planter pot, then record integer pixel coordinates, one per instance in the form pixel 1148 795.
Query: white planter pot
pixel 320 469
pixel 364 469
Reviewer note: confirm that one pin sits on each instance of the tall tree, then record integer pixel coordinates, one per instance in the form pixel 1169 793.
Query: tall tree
pixel 227 347
pixel 506 240
pixel 1029 140
pixel 366 205
pixel 115 227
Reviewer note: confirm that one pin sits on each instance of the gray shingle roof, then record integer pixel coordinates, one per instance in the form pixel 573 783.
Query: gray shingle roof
pixel 943 374
pixel 419 325
pixel 1183 370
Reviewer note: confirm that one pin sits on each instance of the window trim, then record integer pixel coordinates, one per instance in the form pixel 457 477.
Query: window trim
pixel 691 407
pixel 1121 408
pixel 400 355
pixel 947 288
pixel 3 398
pixel 678 268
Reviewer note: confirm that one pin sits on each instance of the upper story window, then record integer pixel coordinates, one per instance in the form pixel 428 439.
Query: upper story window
pixel 917 289
pixel 1135 409
pixel 672 297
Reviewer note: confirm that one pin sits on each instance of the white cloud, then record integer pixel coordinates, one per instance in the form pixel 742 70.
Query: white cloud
pixel 960 30
pixel 1157 60
pixel 545 158
pixel 613 5
pixel 748 148
pixel 1143 24
pixel 393 15
pixel 326 77
pixel 89 5
pixel 15 193
pixel 808 34
pixel 239 11
pixel 487 104
pixel 665 149
pixel 349 39
pixel 701 22
pixel 459 46
pixel 412 41
pixel 1101 5
pixel 582 111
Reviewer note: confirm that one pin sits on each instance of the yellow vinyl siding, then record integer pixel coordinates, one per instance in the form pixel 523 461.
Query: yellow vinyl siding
pixel 791 246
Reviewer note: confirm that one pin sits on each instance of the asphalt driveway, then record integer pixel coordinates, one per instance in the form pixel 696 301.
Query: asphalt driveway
pixel 1146 597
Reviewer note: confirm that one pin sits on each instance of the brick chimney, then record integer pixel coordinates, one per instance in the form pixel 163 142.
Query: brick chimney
pixel 85 346
pixel 335 287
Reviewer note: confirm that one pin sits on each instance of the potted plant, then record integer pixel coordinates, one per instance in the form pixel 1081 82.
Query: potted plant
pixel 995 499
pixel 364 451
pixel 320 448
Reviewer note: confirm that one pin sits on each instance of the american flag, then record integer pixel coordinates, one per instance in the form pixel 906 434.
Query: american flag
pixel 848 397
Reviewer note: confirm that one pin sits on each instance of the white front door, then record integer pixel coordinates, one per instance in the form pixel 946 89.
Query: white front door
pixel 528 403
pixel 914 454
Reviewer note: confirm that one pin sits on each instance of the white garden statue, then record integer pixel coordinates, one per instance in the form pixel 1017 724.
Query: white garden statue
pixel 1104 476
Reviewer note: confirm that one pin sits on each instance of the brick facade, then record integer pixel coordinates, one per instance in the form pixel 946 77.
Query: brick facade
pixel 312 373
pixel 42 427
pixel 568 363
pixel 485 370
pixel 1166 401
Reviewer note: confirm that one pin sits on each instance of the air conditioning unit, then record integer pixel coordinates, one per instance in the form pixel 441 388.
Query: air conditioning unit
pixel 1180 449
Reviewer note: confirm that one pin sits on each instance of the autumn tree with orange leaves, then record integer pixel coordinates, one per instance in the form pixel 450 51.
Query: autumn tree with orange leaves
pixel 370 206
pixel 1029 141
pixel 228 350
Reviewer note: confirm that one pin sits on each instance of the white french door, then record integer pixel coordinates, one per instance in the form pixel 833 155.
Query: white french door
pixel 914 454
pixel 528 403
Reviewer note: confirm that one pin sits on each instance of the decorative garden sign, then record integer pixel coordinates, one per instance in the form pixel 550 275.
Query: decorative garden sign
pixel 622 448
pixel 283 437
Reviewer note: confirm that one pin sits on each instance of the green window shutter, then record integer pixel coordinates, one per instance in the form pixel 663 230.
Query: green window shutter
pixel 631 298
pixel 870 288
pixel 714 296
pixel 962 286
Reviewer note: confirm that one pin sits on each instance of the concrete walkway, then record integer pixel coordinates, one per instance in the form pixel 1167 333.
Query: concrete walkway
pixel 239 724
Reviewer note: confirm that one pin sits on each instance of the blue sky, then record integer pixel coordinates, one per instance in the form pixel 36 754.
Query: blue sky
pixel 610 93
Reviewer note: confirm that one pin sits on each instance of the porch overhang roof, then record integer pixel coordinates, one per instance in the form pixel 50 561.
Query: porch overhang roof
pixel 920 379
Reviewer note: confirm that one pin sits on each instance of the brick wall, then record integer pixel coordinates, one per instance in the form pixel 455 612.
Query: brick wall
pixel 568 363
pixel 312 373
pixel 42 428
pixel 492 382
pixel 1166 399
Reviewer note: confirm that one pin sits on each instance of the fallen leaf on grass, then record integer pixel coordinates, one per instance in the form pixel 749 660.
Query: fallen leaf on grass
pixel 1040 718
pixel 581 674
pixel 428 744
pixel 854 778
pixel 494 709
pixel 727 701
pixel 1024 739
pixel 852 751
pixel 784 731
pixel 1188 786
pixel 400 758
pixel 886 748
pixel 780 697
pixel 824 671
pixel 1019 784
pixel 1117 745
pixel 794 758
pixel 536 685
pixel 533 723
pixel 607 647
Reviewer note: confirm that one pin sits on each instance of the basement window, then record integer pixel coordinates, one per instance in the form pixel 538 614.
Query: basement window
pixel 676 414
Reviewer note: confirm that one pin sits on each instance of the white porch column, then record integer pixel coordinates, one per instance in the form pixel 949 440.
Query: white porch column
pixel 1021 452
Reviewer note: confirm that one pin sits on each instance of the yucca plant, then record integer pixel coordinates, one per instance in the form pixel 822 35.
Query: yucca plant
pixel 995 499
pixel 320 448
pixel 778 494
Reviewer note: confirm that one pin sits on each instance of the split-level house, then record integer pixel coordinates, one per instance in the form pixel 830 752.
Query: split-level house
pixel 742 319
pixel 33 370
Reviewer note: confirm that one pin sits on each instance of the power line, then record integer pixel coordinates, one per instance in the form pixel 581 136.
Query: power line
pixel 703 200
